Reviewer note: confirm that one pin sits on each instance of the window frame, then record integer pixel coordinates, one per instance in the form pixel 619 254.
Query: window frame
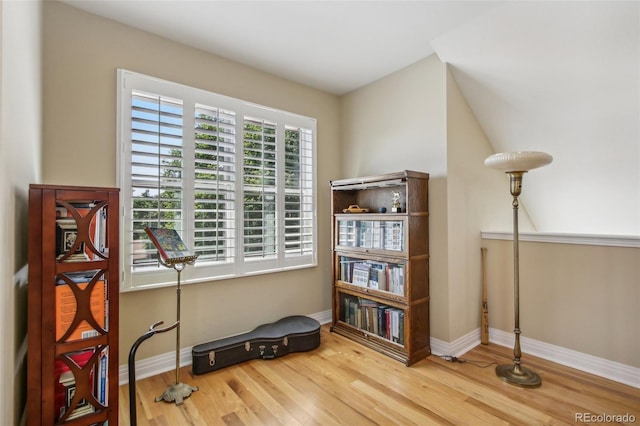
pixel 158 276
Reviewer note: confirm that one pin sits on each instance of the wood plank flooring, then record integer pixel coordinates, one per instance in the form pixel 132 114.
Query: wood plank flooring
pixel 343 383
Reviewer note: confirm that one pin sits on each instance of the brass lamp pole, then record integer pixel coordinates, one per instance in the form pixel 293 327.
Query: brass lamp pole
pixel 516 164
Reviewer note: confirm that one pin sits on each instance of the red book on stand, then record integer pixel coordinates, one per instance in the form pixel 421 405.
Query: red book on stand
pixel 169 244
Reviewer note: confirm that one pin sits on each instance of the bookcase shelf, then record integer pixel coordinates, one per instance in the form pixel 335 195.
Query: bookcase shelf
pixel 72 357
pixel 381 264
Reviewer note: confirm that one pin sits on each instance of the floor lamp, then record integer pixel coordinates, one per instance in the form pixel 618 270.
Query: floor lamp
pixel 516 164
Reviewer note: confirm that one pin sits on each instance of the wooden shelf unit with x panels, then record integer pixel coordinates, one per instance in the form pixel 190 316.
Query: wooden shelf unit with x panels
pixel 72 306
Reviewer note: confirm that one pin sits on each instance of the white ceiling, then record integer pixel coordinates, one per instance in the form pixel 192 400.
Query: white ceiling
pixel 564 78
pixel 335 46
pixel 561 77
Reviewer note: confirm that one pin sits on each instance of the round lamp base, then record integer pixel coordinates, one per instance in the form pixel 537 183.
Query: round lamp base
pixel 520 376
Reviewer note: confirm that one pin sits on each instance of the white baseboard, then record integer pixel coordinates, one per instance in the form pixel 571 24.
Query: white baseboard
pixel 591 364
pixel 458 347
pixel 600 367
pixel 323 317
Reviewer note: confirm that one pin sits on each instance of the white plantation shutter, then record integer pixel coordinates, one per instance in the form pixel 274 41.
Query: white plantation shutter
pixel 214 184
pixel 298 187
pixel 260 188
pixel 156 171
pixel 236 180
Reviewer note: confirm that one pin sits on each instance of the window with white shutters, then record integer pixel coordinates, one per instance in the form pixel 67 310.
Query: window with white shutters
pixel 236 180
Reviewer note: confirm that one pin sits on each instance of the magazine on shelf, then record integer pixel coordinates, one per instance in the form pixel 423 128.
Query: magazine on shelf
pixel 169 245
pixel 361 272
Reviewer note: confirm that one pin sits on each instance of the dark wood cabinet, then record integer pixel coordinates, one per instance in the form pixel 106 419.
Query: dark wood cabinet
pixel 72 356
pixel 381 263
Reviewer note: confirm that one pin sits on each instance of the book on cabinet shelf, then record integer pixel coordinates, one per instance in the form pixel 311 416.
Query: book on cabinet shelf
pixel 67 233
pixel 378 275
pixel 66 382
pixel 375 234
pixel 102 387
pixel 384 276
pixel 66 306
pixel 83 407
pixel 361 272
pixel 66 385
pixel 393 236
pixel 382 320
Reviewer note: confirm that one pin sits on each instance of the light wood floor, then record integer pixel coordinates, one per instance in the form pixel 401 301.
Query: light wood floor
pixel 342 382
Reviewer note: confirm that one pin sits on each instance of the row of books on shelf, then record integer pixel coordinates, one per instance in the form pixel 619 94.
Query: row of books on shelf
pixel 373 317
pixel 66 397
pixel 378 234
pixel 66 305
pixel 383 276
pixel 68 247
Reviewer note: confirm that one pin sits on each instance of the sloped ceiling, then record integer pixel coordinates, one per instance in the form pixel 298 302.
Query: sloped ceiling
pixel 333 45
pixel 559 77
pixel 564 78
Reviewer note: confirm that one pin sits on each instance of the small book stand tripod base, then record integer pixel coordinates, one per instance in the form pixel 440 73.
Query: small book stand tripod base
pixel 178 391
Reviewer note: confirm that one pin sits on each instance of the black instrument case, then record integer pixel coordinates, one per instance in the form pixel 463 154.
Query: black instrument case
pixel 296 333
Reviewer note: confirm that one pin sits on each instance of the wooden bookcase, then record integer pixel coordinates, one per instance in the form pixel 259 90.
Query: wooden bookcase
pixel 381 264
pixel 72 357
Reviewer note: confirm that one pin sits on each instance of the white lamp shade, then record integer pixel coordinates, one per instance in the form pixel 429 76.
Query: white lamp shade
pixel 520 161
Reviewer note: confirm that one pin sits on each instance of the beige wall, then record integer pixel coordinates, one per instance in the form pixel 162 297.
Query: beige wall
pixel 20 139
pixel 580 297
pixel 417 118
pixel 467 147
pixel 82 53
pixel 399 123
pixel 477 199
